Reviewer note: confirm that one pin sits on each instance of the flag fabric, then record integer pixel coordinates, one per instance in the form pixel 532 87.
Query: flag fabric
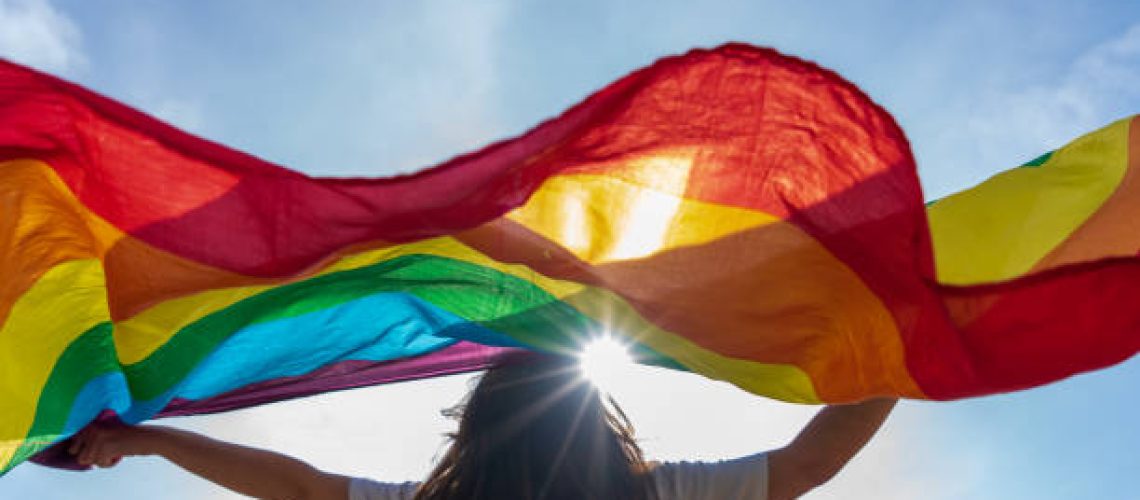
pixel 733 212
pixel 1068 222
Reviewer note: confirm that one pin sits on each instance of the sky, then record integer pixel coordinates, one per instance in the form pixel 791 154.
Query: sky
pixel 380 88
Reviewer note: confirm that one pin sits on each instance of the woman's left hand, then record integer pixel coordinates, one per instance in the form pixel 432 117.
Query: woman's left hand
pixel 105 445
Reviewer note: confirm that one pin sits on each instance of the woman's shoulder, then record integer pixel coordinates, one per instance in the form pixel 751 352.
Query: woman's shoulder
pixel 366 489
pixel 739 478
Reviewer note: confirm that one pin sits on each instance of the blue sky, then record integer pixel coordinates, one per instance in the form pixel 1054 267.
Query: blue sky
pixel 377 88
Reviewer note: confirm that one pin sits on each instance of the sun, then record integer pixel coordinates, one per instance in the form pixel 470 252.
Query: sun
pixel 604 360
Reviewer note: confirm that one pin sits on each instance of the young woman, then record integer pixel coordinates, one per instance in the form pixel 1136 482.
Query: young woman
pixel 532 428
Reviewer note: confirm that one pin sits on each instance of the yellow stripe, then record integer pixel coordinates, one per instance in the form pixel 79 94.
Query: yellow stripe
pixel 66 301
pixel 603 219
pixel 1001 228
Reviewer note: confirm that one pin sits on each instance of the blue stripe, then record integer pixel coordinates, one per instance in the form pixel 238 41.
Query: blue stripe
pixel 378 327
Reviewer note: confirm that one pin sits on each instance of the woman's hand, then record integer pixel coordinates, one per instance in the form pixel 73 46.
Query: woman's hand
pixel 105 445
pixel 249 471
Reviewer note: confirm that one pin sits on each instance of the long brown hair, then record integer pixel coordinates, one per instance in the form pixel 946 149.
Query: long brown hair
pixel 533 428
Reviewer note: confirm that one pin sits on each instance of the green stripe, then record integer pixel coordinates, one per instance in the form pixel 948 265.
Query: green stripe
pixel 1037 162
pixel 470 291
pixel 90 355
pixel 495 300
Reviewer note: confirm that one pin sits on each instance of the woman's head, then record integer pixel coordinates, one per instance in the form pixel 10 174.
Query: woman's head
pixel 534 428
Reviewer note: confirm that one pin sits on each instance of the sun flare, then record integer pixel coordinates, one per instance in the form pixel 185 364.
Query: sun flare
pixel 603 361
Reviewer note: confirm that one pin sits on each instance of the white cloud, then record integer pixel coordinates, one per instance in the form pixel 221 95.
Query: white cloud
pixel 33 32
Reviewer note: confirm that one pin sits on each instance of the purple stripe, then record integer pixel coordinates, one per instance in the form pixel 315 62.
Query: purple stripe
pixel 457 358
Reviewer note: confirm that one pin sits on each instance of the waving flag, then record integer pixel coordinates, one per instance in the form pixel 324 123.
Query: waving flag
pixel 732 212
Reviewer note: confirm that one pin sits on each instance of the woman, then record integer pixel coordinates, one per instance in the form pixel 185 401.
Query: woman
pixel 532 428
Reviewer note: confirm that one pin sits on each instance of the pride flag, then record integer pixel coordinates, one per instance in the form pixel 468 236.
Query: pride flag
pixel 732 212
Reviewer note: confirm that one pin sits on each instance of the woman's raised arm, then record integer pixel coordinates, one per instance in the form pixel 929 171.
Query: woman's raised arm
pixel 249 471
pixel 828 442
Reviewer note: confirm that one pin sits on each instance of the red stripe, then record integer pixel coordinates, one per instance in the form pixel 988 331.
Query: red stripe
pixel 1049 326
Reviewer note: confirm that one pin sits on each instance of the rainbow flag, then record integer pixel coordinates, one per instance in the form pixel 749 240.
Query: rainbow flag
pixel 733 212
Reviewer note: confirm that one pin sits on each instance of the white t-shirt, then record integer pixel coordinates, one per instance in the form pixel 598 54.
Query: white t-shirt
pixel 744 478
